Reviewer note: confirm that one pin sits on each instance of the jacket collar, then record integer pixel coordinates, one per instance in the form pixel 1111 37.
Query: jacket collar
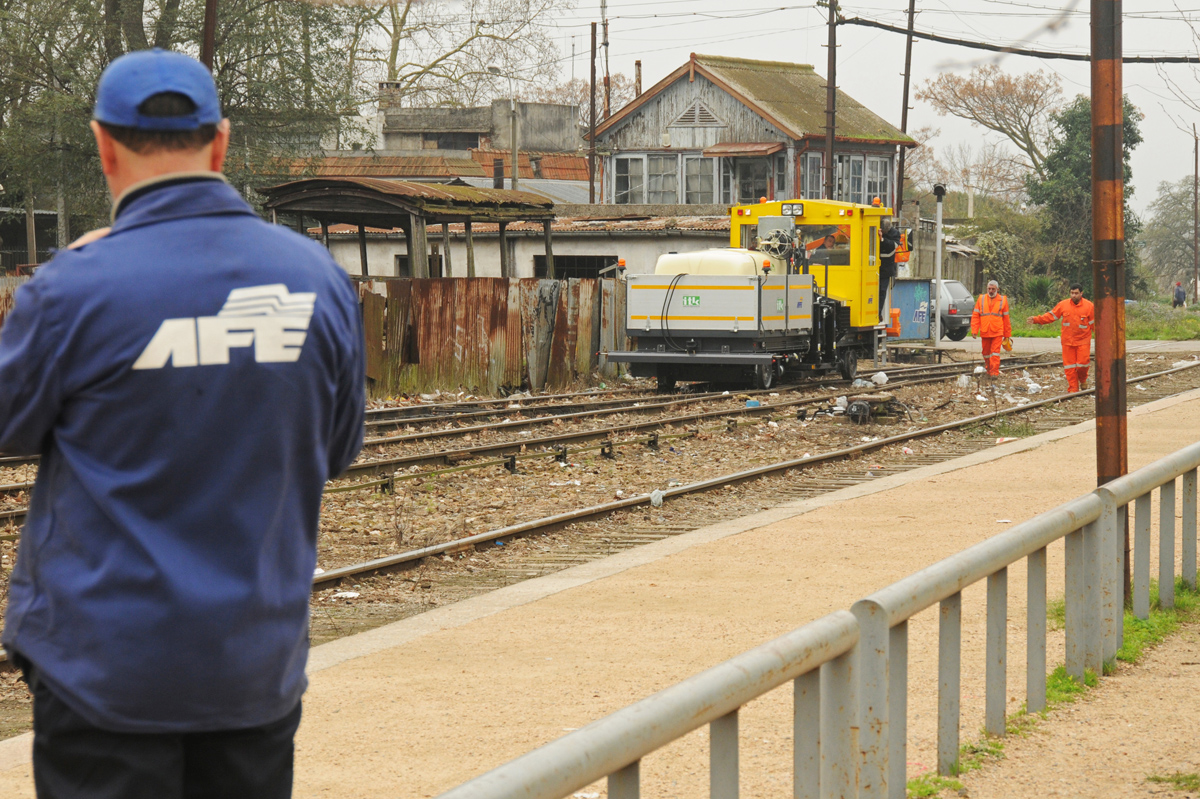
pixel 176 196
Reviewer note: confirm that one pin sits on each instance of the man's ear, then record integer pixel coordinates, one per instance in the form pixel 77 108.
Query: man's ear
pixel 220 146
pixel 107 148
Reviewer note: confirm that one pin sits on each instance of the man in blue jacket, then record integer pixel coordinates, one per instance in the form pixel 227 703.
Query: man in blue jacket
pixel 191 377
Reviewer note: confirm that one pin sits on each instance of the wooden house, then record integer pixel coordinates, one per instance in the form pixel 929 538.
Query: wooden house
pixel 733 130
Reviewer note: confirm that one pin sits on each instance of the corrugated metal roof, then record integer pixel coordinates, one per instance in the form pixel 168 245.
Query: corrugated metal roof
pixel 387 166
pixel 561 191
pixel 744 148
pixel 438 193
pixel 563 166
pixel 718 224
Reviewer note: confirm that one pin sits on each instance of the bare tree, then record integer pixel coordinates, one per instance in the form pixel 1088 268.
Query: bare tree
pixel 434 53
pixel 1016 106
pixel 578 92
pixel 988 169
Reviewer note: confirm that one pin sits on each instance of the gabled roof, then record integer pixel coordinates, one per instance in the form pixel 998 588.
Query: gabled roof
pixel 789 96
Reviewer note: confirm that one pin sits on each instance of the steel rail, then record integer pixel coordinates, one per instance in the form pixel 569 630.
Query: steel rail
pixel 599 408
pixel 555 521
pixel 600 433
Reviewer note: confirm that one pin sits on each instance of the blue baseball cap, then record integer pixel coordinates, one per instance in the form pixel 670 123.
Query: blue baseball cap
pixel 136 77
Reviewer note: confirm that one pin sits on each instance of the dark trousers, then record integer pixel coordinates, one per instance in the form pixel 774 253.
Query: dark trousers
pixel 72 758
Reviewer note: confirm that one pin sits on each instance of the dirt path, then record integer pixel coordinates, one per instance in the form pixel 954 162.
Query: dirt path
pixel 416 719
pixel 1143 722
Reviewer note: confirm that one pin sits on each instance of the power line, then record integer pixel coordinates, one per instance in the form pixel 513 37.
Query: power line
pixel 998 48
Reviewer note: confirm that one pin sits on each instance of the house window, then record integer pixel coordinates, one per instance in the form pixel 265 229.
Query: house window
pixel 813 184
pixel 698 178
pixel 753 175
pixel 662 179
pixel 728 179
pixel 580 266
pixel 849 179
pixel 629 181
pixel 781 180
pixel 451 141
pixel 879 180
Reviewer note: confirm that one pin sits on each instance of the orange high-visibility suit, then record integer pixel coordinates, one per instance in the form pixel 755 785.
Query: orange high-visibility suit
pixel 990 322
pixel 1078 321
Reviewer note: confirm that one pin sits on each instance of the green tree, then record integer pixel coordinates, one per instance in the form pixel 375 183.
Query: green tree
pixel 1168 241
pixel 1064 194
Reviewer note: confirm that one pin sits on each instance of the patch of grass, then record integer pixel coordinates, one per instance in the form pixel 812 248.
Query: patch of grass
pixel 1179 781
pixel 1010 427
pixel 1143 320
pixel 930 784
pixel 1056 615
pixel 1062 689
pixel 1142 634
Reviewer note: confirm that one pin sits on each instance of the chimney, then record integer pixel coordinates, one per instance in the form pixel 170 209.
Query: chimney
pixel 637 78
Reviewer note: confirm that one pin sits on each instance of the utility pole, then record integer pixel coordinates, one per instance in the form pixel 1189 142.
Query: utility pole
pixel 515 151
pixel 592 130
pixel 607 82
pixel 912 9
pixel 1196 216
pixel 1108 247
pixel 830 98
pixel 208 45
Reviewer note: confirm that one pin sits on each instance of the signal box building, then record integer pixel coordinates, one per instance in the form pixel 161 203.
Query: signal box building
pixel 732 130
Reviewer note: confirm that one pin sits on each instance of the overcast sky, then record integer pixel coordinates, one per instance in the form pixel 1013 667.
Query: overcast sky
pixel 661 33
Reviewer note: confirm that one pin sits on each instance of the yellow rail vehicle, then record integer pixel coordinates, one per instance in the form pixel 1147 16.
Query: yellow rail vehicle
pixel 797 290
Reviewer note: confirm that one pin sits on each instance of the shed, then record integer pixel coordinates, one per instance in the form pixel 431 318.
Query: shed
pixel 411 207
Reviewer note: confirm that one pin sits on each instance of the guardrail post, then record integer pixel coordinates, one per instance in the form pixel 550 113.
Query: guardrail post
pixel 898 711
pixel 1110 618
pixel 1166 545
pixel 1075 597
pixel 806 736
pixel 997 652
pixel 872 698
pixel 1142 507
pixel 839 731
pixel 1093 575
pixel 626 783
pixel 1189 529
pixel 723 757
pixel 1035 649
pixel 949 678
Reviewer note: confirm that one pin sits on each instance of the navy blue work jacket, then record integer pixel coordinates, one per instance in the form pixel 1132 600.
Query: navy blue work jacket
pixel 190 381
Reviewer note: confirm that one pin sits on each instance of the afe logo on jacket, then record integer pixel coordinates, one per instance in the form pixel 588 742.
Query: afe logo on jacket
pixel 270 318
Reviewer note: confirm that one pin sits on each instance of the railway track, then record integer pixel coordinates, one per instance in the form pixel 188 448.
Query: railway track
pixel 554 445
pixel 605 540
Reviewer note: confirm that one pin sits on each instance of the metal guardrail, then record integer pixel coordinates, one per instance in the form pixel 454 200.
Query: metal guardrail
pixel 850 668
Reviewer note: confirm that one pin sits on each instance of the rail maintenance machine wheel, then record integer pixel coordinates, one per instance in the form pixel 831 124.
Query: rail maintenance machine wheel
pixel 797 291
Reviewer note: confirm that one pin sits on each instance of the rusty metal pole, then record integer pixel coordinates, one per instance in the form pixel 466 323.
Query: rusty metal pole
pixel 831 99
pixel 912 10
pixel 1196 216
pixel 208 45
pixel 1108 246
pixel 592 129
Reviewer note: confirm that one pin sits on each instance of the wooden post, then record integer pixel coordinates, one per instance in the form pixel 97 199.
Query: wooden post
pixel 447 271
pixel 505 266
pixel 325 233
pixel 549 249
pixel 418 247
pixel 30 229
pixel 470 249
pixel 362 249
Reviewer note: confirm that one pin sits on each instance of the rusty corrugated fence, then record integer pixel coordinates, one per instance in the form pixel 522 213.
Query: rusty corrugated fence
pixel 485 334
pixel 8 290
pixel 478 334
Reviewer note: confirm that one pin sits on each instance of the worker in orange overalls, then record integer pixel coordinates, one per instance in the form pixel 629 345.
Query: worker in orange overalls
pixel 1078 320
pixel 990 321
